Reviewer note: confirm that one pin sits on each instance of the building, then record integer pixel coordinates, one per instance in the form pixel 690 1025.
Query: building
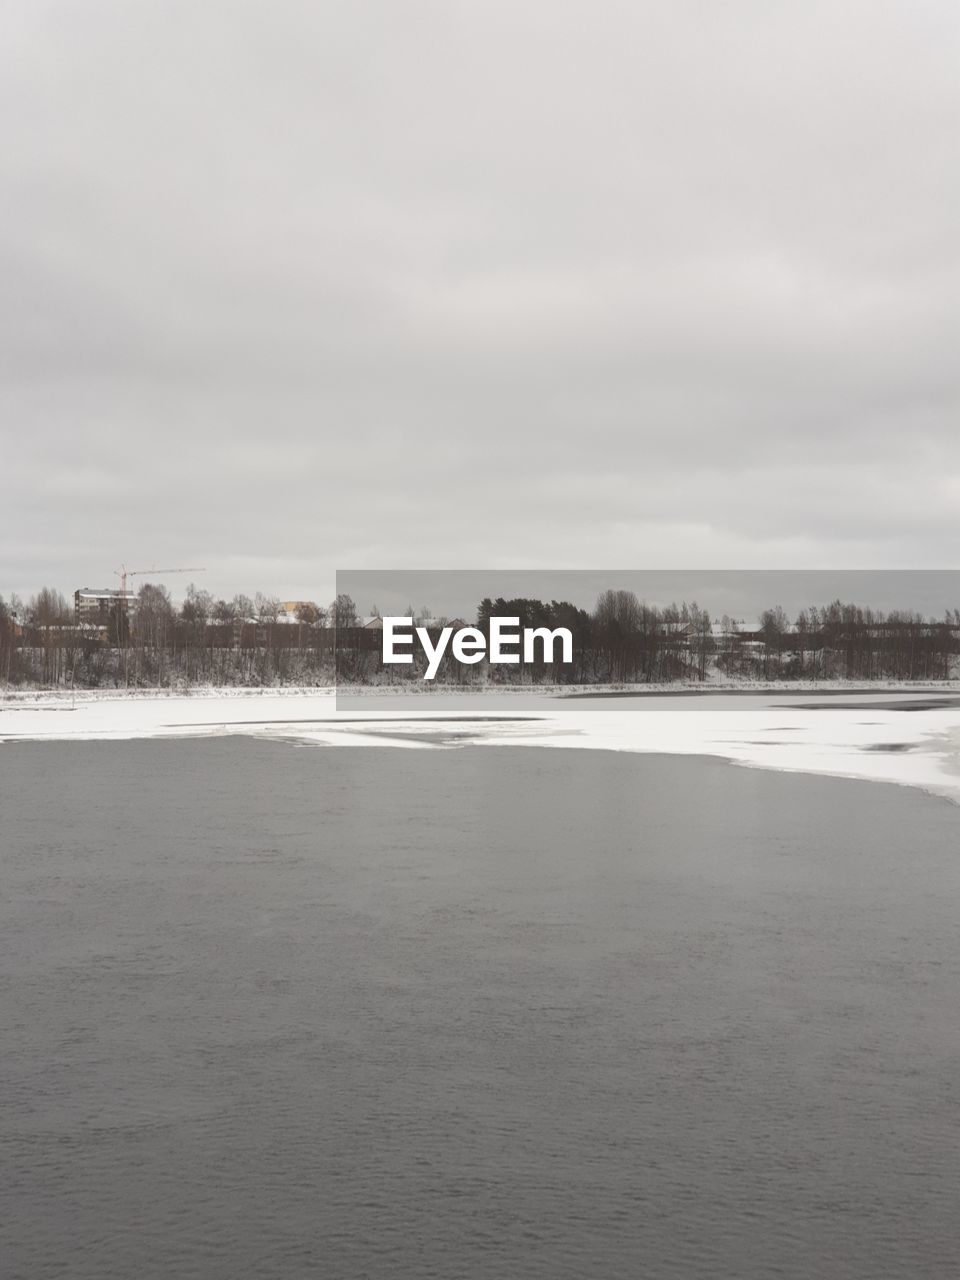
pixel 93 606
pixel 290 610
pixel 734 636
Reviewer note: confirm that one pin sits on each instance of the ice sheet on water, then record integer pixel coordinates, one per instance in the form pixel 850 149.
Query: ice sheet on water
pixel 868 739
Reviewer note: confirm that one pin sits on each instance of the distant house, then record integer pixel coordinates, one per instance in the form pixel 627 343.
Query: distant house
pixel 745 636
pixel 373 623
pixel 290 610
pixel 678 631
pixel 749 637
pixel 96 606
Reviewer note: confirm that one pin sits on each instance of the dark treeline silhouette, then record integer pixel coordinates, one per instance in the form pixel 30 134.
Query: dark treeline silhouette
pixel 260 642
pixel 626 641
pixel 154 643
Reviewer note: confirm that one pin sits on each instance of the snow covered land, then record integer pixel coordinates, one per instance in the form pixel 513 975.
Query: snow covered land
pixel 908 738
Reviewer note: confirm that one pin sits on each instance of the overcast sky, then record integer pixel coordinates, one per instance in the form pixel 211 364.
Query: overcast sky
pixel 291 287
pixel 739 594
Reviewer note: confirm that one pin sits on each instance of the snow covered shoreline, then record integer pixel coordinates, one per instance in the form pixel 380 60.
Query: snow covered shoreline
pixel 864 738
pixel 13 695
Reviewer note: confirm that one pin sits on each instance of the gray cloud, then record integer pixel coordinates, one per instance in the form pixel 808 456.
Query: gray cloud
pixel 297 286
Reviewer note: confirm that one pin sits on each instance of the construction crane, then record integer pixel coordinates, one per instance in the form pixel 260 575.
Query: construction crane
pixel 123 573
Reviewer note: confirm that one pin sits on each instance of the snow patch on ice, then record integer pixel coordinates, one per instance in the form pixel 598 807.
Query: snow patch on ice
pixel 919 749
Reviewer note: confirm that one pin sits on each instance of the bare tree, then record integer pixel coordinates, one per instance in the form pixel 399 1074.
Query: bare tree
pixel 155 620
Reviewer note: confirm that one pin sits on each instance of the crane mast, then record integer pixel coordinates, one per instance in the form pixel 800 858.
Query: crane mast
pixel 123 573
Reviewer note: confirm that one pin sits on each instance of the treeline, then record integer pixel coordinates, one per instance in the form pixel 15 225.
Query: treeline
pixel 203 641
pixel 847 641
pixel 253 642
pixel 627 641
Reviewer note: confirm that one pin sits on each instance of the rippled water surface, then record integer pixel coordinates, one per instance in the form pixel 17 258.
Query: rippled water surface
pixel 271 1010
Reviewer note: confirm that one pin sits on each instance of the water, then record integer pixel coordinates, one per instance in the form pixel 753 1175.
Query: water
pixel 281 1011
pixel 637 698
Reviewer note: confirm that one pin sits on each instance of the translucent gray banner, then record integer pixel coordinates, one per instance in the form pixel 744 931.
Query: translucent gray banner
pixel 460 638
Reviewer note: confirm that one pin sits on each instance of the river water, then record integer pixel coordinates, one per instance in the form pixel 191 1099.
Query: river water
pixel 276 1010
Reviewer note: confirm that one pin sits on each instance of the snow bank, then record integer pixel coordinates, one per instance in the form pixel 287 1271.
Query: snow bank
pixel 919 748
